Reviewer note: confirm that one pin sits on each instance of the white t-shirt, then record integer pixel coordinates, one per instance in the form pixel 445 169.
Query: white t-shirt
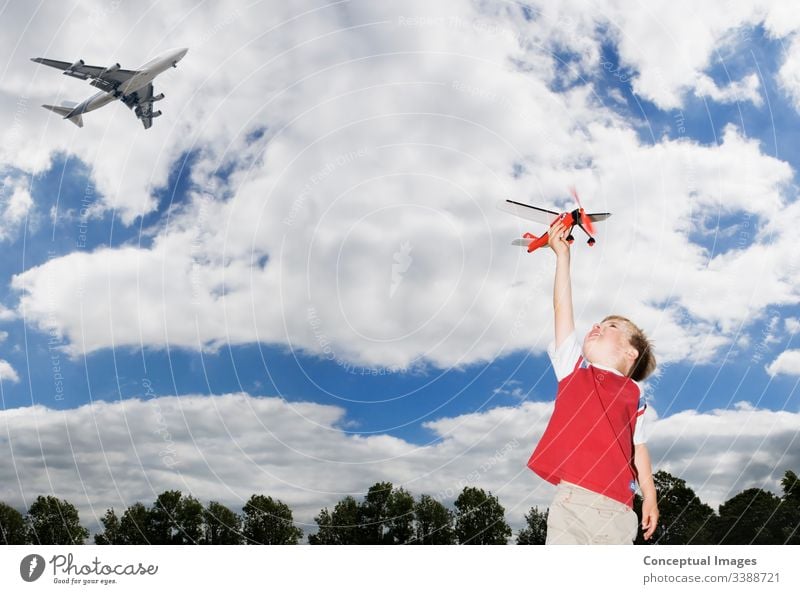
pixel 564 360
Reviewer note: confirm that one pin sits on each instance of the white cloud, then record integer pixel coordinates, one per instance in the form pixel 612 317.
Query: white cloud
pixel 6 314
pixel 670 51
pixel 746 89
pixel 723 452
pixel 367 148
pixel 512 388
pixel 669 47
pixel 229 447
pixel 225 85
pixel 466 297
pixel 617 96
pixel 127 162
pixel 15 204
pixel 792 325
pixel 326 212
pixel 7 372
pixel 788 363
pixel 781 18
pixel 789 73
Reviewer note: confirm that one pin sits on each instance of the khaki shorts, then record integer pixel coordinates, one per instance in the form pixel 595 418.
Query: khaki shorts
pixel 580 516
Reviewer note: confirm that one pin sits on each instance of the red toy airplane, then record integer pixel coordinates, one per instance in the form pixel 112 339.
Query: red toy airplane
pixel 577 217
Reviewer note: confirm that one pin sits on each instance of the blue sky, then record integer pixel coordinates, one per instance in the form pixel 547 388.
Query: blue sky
pixel 273 187
pixel 394 402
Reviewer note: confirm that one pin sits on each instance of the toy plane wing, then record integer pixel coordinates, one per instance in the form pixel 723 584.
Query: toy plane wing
pixel 526 211
pixel 541 215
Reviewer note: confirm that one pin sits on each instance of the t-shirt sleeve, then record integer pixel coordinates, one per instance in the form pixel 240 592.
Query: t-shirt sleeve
pixel 565 357
pixel 639 431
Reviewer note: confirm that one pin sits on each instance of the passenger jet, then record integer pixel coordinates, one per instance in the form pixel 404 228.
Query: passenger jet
pixel 133 87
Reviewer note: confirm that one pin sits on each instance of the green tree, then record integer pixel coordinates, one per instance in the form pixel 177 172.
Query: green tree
pixel 791 487
pixel 536 531
pixel 190 521
pixel 400 512
pixel 112 533
pixel 269 521
pixel 327 532
pixel 54 521
pixel 791 502
pixel 754 516
pixel 176 519
pixel 434 523
pixel 683 518
pixel 163 518
pixel 339 527
pixel 480 519
pixel 12 526
pixel 374 517
pixel 223 526
pixel 135 527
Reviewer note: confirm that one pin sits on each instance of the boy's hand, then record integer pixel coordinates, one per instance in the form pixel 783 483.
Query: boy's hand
pixel 557 241
pixel 649 516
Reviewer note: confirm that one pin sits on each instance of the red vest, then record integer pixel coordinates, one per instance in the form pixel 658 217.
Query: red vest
pixel 589 439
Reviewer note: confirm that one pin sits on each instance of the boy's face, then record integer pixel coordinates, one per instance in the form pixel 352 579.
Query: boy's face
pixel 608 343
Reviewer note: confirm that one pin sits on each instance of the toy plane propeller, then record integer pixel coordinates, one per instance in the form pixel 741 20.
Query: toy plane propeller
pixel 576 218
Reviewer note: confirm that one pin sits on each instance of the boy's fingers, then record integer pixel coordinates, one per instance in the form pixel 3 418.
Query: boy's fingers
pixel 649 525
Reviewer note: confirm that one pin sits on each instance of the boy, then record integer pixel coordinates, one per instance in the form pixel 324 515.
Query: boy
pixel 593 447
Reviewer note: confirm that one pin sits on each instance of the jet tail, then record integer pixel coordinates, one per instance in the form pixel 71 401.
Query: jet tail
pixel 64 110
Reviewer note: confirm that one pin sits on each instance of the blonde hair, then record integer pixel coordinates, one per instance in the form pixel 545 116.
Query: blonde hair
pixel 645 362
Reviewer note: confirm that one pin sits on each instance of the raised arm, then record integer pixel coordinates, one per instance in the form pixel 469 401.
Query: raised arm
pixel 562 285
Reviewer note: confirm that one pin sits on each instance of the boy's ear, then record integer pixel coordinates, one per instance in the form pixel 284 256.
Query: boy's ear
pixel 632 354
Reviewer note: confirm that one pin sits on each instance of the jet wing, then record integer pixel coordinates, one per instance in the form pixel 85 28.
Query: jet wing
pixel 141 102
pixel 526 211
pixel 105 79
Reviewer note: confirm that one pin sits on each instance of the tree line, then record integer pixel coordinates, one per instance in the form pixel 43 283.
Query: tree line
pixel 389 515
